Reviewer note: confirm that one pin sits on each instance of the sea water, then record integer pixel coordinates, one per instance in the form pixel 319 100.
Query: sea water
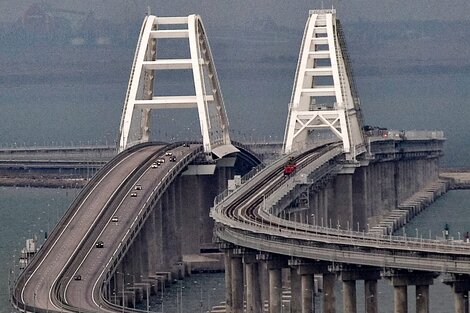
pixel 28 212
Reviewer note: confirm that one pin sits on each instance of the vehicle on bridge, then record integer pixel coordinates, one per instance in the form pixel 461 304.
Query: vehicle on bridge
pixel 290 167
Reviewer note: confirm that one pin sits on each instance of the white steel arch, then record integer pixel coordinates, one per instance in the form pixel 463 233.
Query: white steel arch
pixel 207 97
pixel 323 99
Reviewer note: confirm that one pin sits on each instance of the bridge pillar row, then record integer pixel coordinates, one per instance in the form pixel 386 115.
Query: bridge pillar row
pixel 349 274
pixel 303 276
pixel 460 285
pixel 400 280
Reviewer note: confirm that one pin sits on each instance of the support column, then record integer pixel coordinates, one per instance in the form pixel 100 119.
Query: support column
pixel 149 232
pixel 329 298
pixel 349 274
pixel 160 261
pixel 253 292
pixel 400 299
pixel 359 197
pixel 461 302
pixel 237 284
pixel 349 296
pixel 295 289
pixel 228 281
pixel 275 264
pixel 303 278
pixel 460 286
pixel 275 290
pixel 370 295
pixel 308 291
pixel 401 280
pixel 422 298
pixel 343 201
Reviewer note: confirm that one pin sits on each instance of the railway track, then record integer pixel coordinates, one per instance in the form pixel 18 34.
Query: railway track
pixel 245 213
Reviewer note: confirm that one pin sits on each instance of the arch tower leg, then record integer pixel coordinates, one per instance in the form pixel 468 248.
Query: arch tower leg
pixel 142 96
pixel 324 102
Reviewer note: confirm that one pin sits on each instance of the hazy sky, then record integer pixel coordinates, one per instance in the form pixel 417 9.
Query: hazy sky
pixel 238 12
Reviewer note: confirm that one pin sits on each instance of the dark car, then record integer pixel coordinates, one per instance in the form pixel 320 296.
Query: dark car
pixel 99 244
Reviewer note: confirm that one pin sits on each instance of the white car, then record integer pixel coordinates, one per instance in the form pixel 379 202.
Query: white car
pixel 168 154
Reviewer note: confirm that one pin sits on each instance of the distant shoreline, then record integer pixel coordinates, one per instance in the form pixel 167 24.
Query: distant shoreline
pixel 42 180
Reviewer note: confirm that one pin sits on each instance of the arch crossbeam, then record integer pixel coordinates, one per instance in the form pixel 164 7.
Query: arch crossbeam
pixel 142 95
pixel 324 101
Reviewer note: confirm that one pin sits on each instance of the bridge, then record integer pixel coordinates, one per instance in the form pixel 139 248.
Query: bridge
pixel 137 222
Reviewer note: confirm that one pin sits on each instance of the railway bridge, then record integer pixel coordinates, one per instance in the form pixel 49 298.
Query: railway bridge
pixel 146 209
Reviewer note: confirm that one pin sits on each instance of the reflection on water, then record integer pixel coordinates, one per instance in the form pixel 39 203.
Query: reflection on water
pixel 194 294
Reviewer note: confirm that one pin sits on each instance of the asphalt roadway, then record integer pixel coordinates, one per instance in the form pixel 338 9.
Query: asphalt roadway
pixel 73 250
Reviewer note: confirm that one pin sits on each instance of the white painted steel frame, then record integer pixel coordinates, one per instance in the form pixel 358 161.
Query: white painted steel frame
pixel 135 121
pixel 340 117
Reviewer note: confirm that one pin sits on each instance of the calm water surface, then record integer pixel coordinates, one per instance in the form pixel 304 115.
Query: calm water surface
pixel 33 211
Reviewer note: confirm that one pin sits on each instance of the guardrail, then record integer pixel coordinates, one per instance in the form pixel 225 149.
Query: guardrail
pixel 454 255
pixel 140 218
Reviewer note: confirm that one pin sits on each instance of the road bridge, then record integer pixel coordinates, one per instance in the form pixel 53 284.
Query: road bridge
pixel 317 222
pixel 135 218
pixel 149 206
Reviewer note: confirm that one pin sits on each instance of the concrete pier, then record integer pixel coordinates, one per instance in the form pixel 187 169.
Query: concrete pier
pixel 422 298
pixel 253 290
pixel 329 298
pixel 349 296
pixel 370 296
pixel 349 274
pixel 400 299
pixel 237 283
pixel 401 279
pixel 460 285
pixel 308 293
pixel 295 287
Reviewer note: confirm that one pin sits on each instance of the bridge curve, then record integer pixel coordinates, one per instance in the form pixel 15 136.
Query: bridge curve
pixel 80 257
pixel 252 227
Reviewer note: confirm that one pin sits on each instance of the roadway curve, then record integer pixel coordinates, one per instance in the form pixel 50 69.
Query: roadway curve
pixel 243 221
pixel 47 283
